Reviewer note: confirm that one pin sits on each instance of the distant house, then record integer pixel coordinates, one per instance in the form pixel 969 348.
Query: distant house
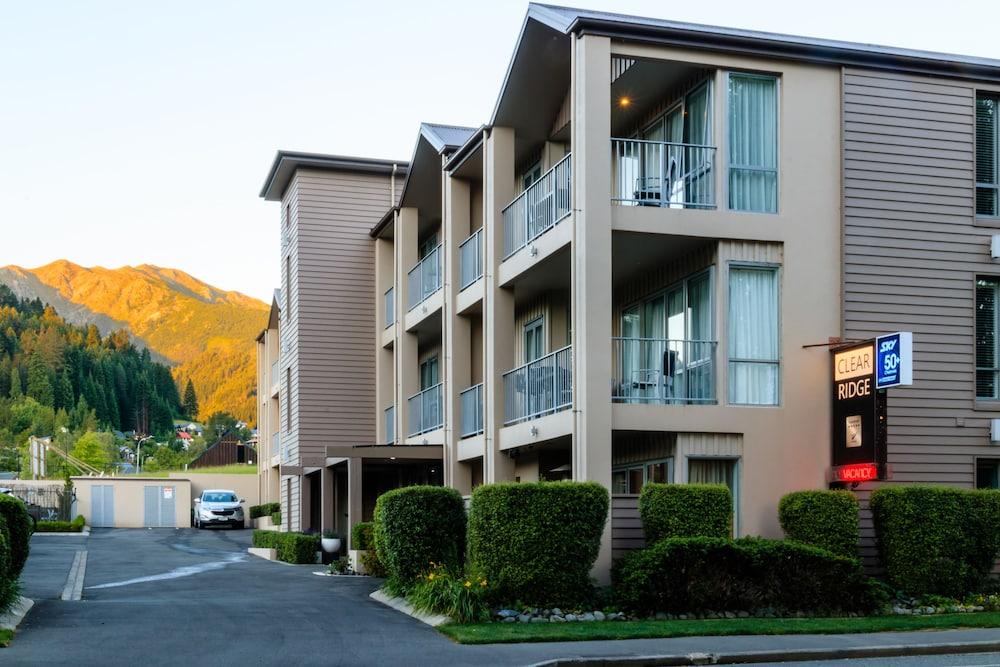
pixel 226 451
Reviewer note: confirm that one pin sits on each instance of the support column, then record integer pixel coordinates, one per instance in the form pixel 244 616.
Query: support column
pixel 328 501
pixel 407 368
pixel 385 265
pixel 592 288
pixel 354 497
pixel 498 303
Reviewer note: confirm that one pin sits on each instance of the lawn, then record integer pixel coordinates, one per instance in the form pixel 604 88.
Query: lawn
pixel 494 633
pixel 5 637
pixel 232 469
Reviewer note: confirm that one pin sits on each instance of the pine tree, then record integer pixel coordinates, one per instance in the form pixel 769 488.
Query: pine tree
pixel 190 404
pixel 15 383
pixel 64 392
pixel 40 381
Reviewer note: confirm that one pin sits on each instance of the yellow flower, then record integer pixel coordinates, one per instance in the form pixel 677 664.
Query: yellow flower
pixel 468 584
pixel 482 582
pixel 430 577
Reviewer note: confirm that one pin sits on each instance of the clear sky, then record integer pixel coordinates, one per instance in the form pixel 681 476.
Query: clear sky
pixel 141 132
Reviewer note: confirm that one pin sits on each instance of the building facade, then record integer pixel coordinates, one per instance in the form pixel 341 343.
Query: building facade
pixel 636 270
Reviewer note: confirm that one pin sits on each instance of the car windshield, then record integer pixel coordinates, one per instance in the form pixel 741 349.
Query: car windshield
pixel 218 497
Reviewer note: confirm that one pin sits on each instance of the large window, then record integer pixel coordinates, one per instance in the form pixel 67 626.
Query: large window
pixel 629 479
pixel 534 343
pixel 988 474
pixel 987 156
pixel 753 143
pixel 987 366
pixel 754 358
pixel 429 373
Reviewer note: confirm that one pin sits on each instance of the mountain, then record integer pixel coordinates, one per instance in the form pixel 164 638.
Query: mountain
pixel 203 333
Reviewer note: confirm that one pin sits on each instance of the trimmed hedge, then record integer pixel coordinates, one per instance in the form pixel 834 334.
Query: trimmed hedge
pixel 685 510
pixel 416 526
pixel 74 526
pixel 8 584
pixel 276 518
pixel 363 536
pixel 937 540
pixel 824 519
pixel 265 509
pixel 680 575
pixel 536 542
pixel 298 548
pixel 19 528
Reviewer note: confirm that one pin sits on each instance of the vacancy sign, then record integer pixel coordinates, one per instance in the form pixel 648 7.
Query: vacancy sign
pixel 894 360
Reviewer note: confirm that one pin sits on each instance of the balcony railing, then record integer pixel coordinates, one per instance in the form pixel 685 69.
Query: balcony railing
pixel 278 447
pixel 472 411
pixel 470 254
pixel 390 307
pixel 425 277
pixel 426 413
pixel 275 377
pixel 538 208
pixel 390 424
pixel 657 370
pixel 539 388
pixel 657 173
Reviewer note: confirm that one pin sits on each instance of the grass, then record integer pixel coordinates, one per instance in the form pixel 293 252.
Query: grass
pixel 505 633
pixel 5 638
pixel 232 469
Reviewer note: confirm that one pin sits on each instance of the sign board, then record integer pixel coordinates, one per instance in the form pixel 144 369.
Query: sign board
pixel 168 492
pixel 894 360
pixel 858 429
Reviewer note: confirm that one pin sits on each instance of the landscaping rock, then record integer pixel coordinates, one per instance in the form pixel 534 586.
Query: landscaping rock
pixel 587 617
pixel 571 617
pixel 524 618
pixel 743 614
pixel 555 618
pixel 660 616
pixel 730 614
pixel 599 616
pixel 556 611
pixel 510 619
pixel 507 613
pixel 539 619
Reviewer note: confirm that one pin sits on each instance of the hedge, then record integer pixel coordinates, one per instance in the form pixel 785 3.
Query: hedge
pixel 276 518
pixel 363 536
pixel 298 548
pixel 680 575
pixel 824 519
pixel 19 527
pixel 266 509
pixel 685 510
pixel 416 526
pixel 937 540
pixel 74 526
pixel 536 542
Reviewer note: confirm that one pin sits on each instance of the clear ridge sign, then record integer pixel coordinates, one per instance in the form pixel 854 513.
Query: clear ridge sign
pixel 894 360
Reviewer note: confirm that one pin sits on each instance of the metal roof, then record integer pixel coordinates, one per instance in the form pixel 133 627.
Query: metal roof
pixel 446 138
pixel 286 162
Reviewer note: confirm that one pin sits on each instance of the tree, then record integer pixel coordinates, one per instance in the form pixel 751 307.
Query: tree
pixel 190 404
pixel 64 393
pixel 40 380
pixel 15 383
pixel 218 423
pixel 94 449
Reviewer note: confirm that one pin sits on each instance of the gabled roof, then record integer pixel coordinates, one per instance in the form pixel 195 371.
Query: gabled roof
pixel 433 141
pixel 445 138
pixel 286 162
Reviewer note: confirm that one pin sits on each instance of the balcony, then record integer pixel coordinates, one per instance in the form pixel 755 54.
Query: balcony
pixel 538 208
pixel 390 307
pixel 470 255
pixel 662 371
pixel 471 401
pixel 424 278
pixel 426 413
pixel 275 378
pixel 539 388
pixel 278 447
pixel 390 425
pixel 662 174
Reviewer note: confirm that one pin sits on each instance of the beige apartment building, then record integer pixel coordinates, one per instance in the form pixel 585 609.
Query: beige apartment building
pixel 636 269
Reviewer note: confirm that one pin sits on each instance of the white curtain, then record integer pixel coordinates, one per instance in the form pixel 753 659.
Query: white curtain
pixel 753 143
pixel 753 336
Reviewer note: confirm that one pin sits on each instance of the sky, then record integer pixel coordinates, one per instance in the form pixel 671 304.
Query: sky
pixel 141 132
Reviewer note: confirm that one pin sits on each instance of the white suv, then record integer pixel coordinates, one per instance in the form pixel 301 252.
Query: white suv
pixel 218 507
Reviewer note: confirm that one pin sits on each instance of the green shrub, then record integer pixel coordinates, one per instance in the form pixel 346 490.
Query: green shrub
pixel 19 527
pixel 824 519
pixel 79 522
pixel 537 542
pixel 363 536
pixel 373 566
pixel 265 539
pixel 276 518
pixel 937 540
pixel 8 584
pixel 265 509
pixel 417 526
pixel 694 574
pixel 463 598
pixel 298 548
pixel 55 527
pixel 685 510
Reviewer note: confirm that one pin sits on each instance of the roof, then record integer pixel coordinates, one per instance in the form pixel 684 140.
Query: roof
pixel 569 19
pixel 421 189
pixel 286 162
pixel 446 138
pixel 471 144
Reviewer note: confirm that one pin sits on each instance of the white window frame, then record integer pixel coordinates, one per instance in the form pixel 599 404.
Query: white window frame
pixel 737 462
pixel 537 323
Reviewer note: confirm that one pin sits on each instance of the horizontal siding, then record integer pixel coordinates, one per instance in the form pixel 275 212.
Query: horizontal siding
pixel 626 526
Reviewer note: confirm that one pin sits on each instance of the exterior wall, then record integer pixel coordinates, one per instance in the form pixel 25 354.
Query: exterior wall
pixel 245 486
pixel 129 505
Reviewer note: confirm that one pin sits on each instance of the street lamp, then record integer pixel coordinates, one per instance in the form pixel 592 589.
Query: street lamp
pixel 138 453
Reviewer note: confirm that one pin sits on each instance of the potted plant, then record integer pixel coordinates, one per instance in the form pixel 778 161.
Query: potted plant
pixel 330 542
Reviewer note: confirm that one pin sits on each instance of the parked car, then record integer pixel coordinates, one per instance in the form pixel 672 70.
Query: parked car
pixel 218 507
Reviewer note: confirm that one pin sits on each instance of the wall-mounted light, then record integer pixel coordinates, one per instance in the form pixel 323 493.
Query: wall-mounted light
pixel 534 431
pixel 624 101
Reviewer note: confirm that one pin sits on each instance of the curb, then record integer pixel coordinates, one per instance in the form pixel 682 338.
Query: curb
pixel 401 605
pixel 73 590
pixel 83 533
pixel 13 618
pixel 788 655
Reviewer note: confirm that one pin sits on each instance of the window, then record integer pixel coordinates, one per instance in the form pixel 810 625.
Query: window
pixel 629 479
pixel 287 393
pixel 987 156
pixel 428 245
pixel 753 143
pixel 716 471
pixel 532 174
pixel 753 336
pixel 988 474
pixel 534 343
pixel 987 366
pixel 287 294
pixel 429 373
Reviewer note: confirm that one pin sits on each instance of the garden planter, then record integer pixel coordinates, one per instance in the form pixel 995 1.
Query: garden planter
pixel 354 556
pixel 331 545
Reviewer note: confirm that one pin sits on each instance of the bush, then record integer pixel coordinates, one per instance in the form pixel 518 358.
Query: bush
pixel 276 518
pixel 79 522
pixel 416 526
pixel 8 584
pixel 266 509
pixel 824 519
pixel 298 548
pixel 537 542
pixel 373 566
pixel 680 575
pixel 937 540
pixel 463 598
pixel 19 527
pixel 685 510
pixel 362 536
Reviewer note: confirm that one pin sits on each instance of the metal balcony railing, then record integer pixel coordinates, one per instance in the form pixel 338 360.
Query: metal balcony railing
pixel 544 203
pixel 390 307
pixel 426 410
pixel 425 278
pixel 658 370
pixel 390 424
pixel 539 388
pixel 470 255
pixel 471 401
pixel 658 173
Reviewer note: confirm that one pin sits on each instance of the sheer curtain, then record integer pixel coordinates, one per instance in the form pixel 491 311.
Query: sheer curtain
pixel 753 143
pixel 753 336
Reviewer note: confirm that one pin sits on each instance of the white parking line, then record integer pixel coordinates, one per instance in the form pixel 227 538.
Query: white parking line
pixel 179 572
pixel 73 590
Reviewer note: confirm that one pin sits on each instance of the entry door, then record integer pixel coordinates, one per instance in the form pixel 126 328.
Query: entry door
pixel 102 506
pixel 158 506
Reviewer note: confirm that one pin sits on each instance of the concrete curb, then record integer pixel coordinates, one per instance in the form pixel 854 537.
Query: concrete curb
pixel 401 605
pixel 83 533
pixel 73 590
pixel 13 618
pixel 783 655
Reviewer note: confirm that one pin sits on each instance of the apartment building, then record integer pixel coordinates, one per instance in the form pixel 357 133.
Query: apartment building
pixel 269 406
pixel 637 269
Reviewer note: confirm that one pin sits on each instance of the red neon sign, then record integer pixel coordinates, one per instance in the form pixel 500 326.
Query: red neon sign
pixel 856 472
